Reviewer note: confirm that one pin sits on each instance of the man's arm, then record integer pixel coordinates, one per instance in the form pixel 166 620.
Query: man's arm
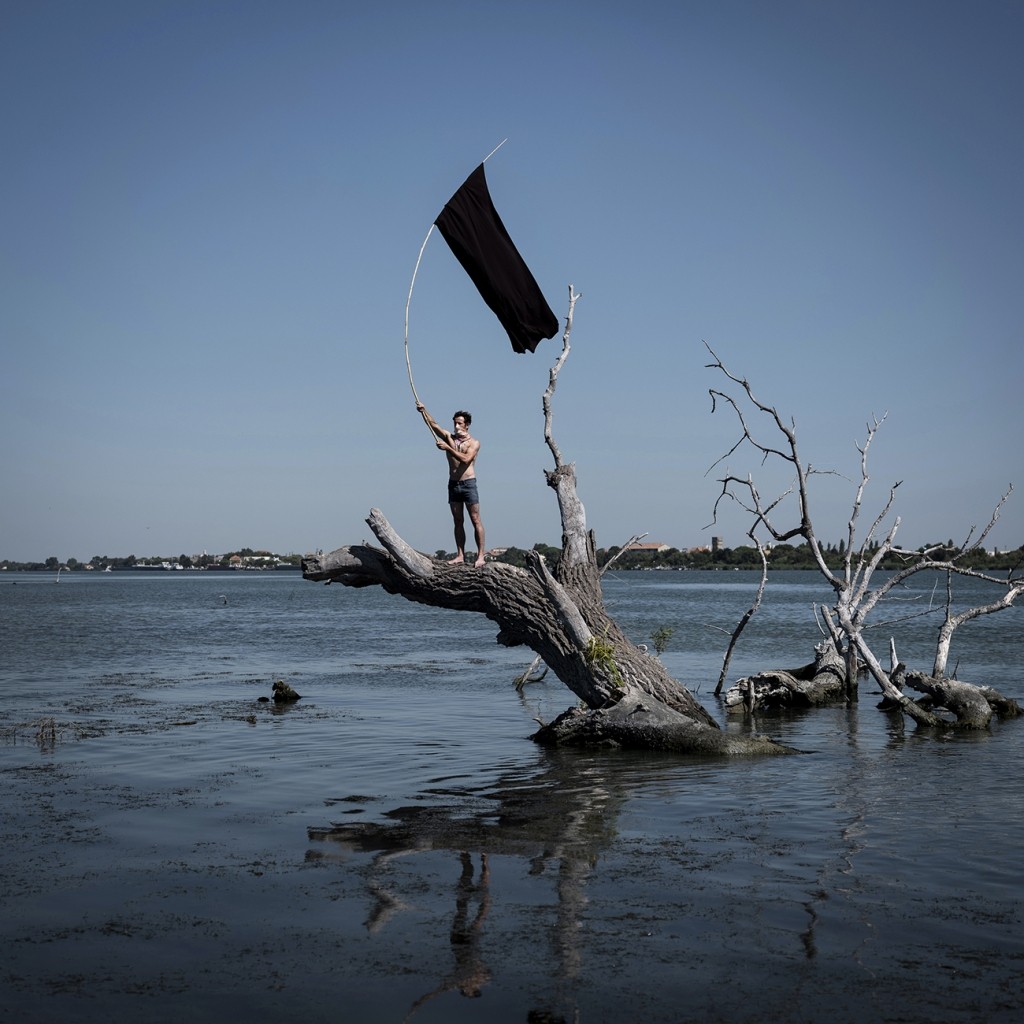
pixel 432 423
pixel 470 449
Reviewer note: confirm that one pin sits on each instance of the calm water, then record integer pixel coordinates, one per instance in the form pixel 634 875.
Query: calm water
pixel 393 847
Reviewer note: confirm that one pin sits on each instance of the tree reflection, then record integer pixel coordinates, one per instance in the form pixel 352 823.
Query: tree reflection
pixel 559 818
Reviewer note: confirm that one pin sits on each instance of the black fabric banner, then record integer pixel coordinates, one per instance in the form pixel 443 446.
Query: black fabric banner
pixel 475 234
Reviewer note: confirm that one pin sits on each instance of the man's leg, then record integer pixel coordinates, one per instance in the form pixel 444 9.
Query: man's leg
pixel 457 508
pixel 478 532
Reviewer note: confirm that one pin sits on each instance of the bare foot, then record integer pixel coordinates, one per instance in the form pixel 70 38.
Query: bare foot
pixel 478 562
pixel 457 561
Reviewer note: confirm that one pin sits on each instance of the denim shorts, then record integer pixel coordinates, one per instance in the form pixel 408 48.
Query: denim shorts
pixel 464 491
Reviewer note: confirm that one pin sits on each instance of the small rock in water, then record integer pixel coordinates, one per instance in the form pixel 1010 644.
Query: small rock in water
pixel 283 692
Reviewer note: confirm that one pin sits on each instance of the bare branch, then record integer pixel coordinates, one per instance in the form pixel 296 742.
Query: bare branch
pixel 635 539
pixel 406 556
pixel 747 436
pixel 859 496
pixel 553 380
pixel 953 622
pixel 992 522
pixel 748 615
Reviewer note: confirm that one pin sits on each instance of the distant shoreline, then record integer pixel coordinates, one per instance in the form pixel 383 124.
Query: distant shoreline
pixel 82 570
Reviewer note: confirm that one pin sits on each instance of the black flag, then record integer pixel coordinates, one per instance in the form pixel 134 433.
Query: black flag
pixel 475 234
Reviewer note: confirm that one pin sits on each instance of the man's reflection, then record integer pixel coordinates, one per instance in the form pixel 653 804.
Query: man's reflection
pixel 470 974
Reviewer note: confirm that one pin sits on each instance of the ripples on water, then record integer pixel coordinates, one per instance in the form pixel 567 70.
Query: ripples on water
pixel 394 839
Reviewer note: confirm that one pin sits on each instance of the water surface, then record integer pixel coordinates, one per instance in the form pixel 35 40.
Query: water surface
pixel 394 847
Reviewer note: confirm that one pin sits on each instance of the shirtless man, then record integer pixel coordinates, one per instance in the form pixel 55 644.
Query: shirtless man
pixel 461 451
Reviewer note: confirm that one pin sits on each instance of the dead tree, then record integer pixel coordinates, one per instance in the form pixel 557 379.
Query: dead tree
pixel 859 589
pixel 823 681
pixel 559 613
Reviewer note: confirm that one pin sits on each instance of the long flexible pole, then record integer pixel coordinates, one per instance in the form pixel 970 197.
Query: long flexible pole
pixel 412 284
pixel 408 301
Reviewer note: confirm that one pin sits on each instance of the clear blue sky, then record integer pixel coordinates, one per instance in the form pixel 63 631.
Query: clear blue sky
pixel 210 213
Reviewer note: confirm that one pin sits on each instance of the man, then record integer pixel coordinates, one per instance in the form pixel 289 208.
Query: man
pixel 461 451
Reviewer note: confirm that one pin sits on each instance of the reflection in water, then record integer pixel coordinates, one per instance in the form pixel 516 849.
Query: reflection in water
pixel 561 819
pixel 798 872
pixel 849 839
pixel 563 815
pixel 470 974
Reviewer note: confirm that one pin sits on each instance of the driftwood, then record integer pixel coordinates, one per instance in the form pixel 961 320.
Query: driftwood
pixel 857 592
pixel 946 703
pixel 821 682
pixel 640 721
pixel 559 614
pixel 561 617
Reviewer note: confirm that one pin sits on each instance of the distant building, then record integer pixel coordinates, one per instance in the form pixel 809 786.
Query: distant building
pixel 651 547
pixel 716 544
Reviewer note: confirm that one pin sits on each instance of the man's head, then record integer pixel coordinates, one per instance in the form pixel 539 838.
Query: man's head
pixel 461 421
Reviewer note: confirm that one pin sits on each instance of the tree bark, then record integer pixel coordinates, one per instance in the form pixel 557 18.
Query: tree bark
pixel 972 707
pixel 640 721
pixel 821 682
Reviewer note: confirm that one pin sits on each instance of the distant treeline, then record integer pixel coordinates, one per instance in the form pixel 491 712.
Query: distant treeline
pixel 243 558
pixel 781 556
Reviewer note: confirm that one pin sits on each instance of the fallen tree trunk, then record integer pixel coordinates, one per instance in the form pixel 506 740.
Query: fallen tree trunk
pixel 565 623
pixel 633 701
pixel 946 704
pixel 821 682
pixel 638 721
pixel 559 614
pixel 970 706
